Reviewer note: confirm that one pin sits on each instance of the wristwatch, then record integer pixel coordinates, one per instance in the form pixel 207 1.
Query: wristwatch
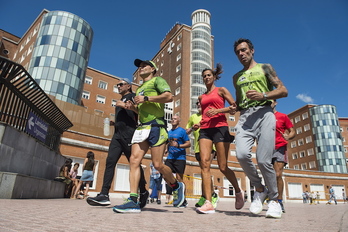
pixel 264 96
pixel 146 98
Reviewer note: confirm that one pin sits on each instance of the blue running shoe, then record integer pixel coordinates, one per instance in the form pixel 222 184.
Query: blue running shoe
pixel 128 206
pixel 179 195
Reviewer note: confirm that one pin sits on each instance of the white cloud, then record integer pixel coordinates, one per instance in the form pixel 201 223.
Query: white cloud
pixel 305 98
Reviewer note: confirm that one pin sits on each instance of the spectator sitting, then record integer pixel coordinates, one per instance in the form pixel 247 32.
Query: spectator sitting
pixel 65 177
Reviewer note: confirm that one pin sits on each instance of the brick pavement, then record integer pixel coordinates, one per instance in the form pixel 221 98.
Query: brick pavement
pixel 77 215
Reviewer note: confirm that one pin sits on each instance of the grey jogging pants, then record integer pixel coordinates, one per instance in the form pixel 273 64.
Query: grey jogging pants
pixel 257 123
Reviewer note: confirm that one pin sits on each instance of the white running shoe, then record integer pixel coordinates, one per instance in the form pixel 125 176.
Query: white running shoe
pixel 258 199
pixel 274 210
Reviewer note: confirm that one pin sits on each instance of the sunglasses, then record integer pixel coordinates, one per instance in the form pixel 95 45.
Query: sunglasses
pixel 120 84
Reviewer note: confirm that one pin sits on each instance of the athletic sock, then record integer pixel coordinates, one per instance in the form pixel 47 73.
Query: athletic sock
pixel 134 197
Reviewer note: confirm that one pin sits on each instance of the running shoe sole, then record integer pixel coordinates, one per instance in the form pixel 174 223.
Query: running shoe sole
pixel 97 203
pixel 205 212
pixel 126 210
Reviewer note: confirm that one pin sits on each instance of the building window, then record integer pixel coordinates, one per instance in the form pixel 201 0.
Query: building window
pixel 113 102
pixel 30 49
pixel 308 139
pixel 88 80
pixel 178 47
pixel 302 154
pixel 299 130
pixel 102 85
pixel 85 94
pixel 312 164
pixel 232 118
pixel 177 103
pixel 179 37
pixel 304 116
pixel 28 39
pixel 296 167
pixel 23 57
pixel 306 127
pixel 178 68
pixel 177 91
pixel 178 79
pixel 121 182
pixel 98 112
pixel 293 144
pixel 178 57
pixel 161 74
pixel 100 99
pixel 297 119
pixel 294 156
pixel 162 63
pixel 310 152
pixel 304 166
pixel 300 142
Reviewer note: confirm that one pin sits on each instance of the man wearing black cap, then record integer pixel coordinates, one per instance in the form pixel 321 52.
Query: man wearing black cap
pixel 149 104
pixel 125 124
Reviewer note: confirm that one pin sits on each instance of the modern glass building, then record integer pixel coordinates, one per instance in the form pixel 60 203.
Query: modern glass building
pixel 201 54
pixel 328 139
pixel 61 54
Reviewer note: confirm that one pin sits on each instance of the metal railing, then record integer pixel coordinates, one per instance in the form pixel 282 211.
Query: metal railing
pixel 26 107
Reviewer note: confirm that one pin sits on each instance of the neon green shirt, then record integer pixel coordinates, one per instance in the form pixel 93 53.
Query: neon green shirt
pixel 149 111
pixel 194 119
pixel 252 79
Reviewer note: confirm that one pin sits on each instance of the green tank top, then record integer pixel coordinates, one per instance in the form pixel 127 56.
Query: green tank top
pixel 252 79
pixel 149 111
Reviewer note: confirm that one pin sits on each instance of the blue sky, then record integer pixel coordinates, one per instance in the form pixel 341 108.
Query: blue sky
pixel 304 40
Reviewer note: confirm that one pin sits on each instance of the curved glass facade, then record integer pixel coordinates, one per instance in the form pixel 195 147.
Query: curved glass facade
pixel 201 53
pixel 61 54
pixel 327 138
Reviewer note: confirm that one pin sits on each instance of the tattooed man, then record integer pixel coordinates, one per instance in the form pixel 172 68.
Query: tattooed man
pixel 256 85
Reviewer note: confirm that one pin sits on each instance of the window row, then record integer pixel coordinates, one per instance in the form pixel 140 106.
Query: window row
pixel 298 118
pixel 63 44
pixel 99 98
pixel 302 154
pixel 300 142
pixel 305 128
pixel 68 21
pixel 304 166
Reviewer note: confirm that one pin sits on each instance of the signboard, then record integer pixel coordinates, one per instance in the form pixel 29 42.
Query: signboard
pixel 36 127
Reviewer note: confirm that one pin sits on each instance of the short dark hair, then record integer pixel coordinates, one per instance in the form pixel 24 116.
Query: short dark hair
pixel 241 40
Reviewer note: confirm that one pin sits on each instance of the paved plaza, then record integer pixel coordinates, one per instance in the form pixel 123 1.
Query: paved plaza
pixel 77 215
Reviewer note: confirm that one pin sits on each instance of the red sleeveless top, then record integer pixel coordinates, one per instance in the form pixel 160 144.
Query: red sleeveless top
pixel 215 101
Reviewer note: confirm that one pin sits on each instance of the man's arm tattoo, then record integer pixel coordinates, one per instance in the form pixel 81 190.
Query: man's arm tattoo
pixel 271 74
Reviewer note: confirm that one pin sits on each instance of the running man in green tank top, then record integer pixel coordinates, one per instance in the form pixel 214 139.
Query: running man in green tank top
pixel 256 84
pixel 149 105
